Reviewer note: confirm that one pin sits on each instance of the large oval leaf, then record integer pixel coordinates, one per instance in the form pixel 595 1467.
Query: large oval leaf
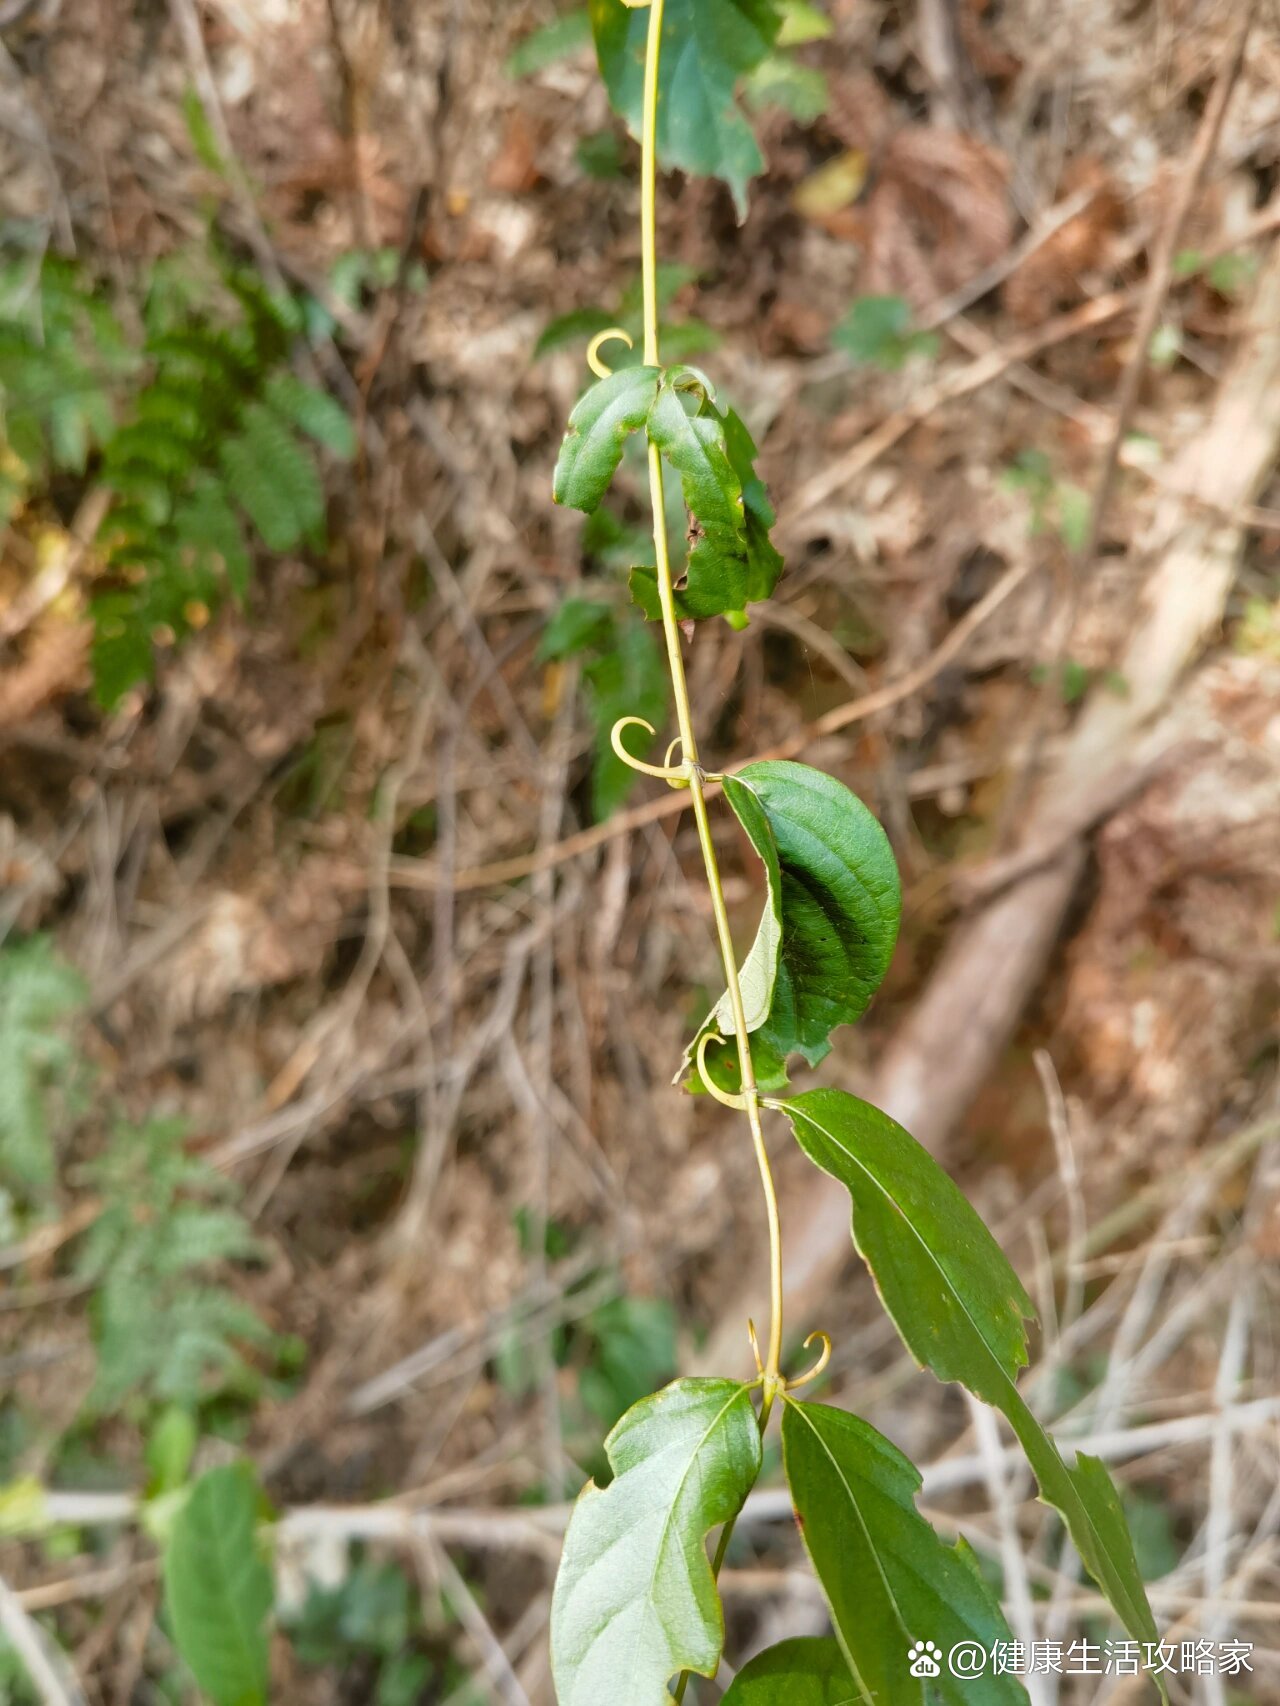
pixel 599 426
pixel 635 1601
pixel 889 1580
pixel 218 1587
pixel 706 46
pixel 834 894
pixel 805 1672
pixel 960 1310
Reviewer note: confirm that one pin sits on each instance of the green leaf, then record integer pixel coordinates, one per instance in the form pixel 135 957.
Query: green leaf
pixel 557 40
pixel 635 1601
pixel 707 45
pixel 577 623
pixel 598 428
pixel 876 332
pixel 805 1672
pixel 600 154
pixel 833 906
pixel 628 679
pixel 579 325
pixel 802 22
pixel 39 992
pixel 169 1449
pixel 218 1587
pixel 731 562
pixel 781 81
pixel 889 1579
pixel 960 1310
pixel 312 411
pixel 633 1350
pixel 764 565
pixel 624 676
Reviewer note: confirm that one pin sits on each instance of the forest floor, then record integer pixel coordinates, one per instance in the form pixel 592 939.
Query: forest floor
pixel 338 896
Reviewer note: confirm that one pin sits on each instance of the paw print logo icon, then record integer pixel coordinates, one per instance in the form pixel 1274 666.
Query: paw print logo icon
pixel 924 1656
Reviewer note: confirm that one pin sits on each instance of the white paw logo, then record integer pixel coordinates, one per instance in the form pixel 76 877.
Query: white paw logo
pixel 924 1658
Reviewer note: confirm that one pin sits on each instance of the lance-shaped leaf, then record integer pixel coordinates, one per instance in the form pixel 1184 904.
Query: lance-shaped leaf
pixel 835 901
pixel 732 562
pixel 707 45
pixel 218 1587
pixel 635 1601
pixel 808 1672
pixel 960 1310
pixel 601 421
pixel 889 1580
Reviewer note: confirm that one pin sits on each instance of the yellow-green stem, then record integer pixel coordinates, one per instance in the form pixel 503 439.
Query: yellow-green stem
pixel 689 744
pixel 684 717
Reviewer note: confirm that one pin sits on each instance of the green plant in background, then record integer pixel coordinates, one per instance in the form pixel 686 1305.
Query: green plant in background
pixel 165 1328
pixel 368 1622
pixel 39 994
pixel 877 332
pixel 635 1603
pixel 1057 504
pixel 687 337
pixel 621 669
pixel 163 1325
pixel 202 431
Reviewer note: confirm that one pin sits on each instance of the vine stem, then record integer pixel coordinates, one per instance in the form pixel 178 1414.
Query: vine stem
pixel 771 1381
pixel 684 715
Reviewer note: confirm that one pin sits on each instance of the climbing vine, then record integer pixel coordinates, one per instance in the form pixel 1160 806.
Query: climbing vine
pixel 636 1610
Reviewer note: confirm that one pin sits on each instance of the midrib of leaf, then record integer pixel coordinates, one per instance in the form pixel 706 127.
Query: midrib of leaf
pixel 236 1571
pixel 1019 1416
pixel 868 1696
pixel 666 1524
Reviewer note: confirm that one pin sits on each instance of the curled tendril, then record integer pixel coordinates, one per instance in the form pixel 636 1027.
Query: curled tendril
pixel 727 1097
pixel 677 774
pixel 819 1367
pixel 601 369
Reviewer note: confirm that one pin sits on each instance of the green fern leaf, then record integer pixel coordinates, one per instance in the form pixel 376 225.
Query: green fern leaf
pixel 273 479
pixel 39 992
pixel 314 412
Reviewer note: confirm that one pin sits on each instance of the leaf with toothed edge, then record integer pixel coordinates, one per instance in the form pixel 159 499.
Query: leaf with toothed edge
pixel 732 562
pixel 961 1311
pixel 835 899
pixel 888 1578
pixel 635 1601
pixel 707 45
pixel 599 426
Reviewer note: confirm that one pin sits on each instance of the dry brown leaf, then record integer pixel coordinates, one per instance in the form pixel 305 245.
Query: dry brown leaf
pixel 936 215
pixel 1050 279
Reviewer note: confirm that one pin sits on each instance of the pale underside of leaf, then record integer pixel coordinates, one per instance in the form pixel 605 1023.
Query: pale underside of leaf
pixel 759 971
pixel 635 1601
pixel 959 1308
pixel 888 1578
pixel 833 902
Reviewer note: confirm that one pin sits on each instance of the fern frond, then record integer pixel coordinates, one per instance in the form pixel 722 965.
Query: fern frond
pixel 274 480
pixel 39 992
pixel 314 412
